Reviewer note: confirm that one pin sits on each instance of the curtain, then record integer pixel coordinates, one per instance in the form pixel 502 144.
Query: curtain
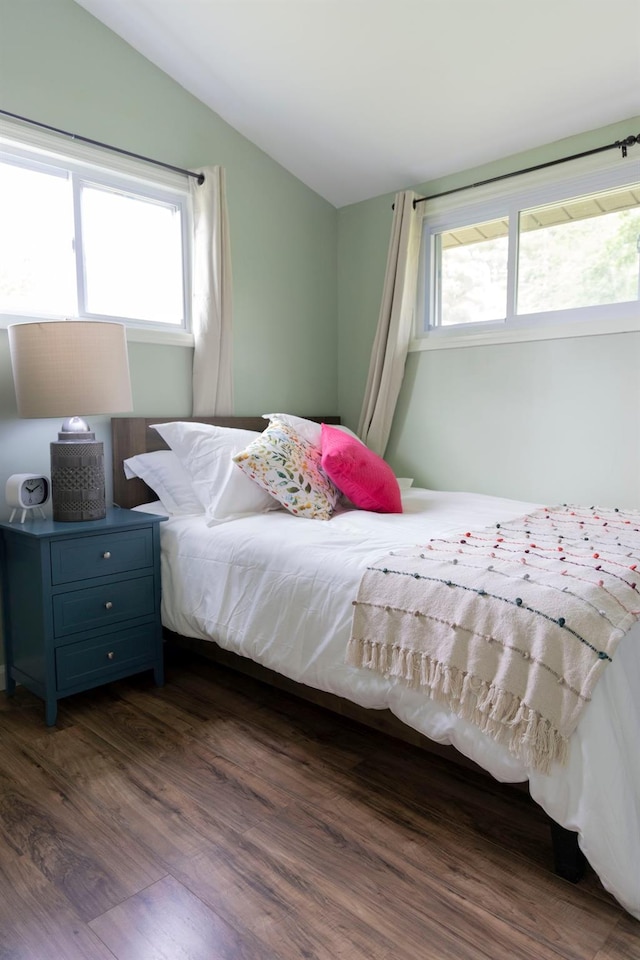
pixel 395 325
pixel 211 297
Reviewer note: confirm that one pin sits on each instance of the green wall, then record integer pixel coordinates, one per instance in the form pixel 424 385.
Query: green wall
pixel 61 66
pixel 555 420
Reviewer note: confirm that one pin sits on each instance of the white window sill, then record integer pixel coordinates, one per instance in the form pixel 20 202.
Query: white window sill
pixel 451 340
pixel 171 338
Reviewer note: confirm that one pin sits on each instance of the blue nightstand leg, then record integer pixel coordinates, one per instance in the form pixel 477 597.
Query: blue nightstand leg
pixel 158 674
pixel 51 712
pixel 10 685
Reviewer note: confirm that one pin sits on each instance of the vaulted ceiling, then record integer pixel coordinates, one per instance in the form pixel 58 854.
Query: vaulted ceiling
pixel 363 97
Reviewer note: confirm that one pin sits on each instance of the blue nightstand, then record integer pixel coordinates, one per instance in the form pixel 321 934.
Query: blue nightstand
pixel 81 603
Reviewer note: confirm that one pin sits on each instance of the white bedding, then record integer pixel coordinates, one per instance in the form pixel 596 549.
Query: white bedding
pixel 278 589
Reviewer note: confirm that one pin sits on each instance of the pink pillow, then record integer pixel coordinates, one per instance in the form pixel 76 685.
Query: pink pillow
pixel 359 473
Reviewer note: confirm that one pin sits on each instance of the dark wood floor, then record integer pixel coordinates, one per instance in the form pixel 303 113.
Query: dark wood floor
pixel 218 818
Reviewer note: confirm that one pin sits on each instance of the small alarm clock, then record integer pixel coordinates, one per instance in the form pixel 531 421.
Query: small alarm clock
pixel 27 491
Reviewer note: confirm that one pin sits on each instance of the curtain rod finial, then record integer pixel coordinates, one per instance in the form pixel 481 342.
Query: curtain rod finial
pixel 627 142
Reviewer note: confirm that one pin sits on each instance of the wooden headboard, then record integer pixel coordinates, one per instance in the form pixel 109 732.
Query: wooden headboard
pixel 133 435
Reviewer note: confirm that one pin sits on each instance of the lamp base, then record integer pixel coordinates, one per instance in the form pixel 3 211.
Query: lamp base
pixel 77 480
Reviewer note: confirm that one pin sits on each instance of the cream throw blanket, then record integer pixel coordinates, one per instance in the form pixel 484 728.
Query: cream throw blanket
pixel 510 626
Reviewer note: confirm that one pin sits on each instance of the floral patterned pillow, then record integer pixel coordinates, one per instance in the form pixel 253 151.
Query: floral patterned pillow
pixel 288 467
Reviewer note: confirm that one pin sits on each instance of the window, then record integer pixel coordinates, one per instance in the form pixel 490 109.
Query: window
pixel 472 273
pixel 80 240
pixel 539 258
pixel 580 253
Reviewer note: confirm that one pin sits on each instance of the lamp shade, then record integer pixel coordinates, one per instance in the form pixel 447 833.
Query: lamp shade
pixel 63 368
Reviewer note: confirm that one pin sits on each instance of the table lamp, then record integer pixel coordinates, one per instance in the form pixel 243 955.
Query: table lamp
pixel 63 369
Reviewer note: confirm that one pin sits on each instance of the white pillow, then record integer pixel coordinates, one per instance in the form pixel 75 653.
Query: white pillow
pixel 309 430
pixel 163 472
pixel 156 507
pixel 205 451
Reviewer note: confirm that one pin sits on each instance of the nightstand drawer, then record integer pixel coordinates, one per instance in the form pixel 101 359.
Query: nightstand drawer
pixel 89 662
pixel 81 558
pixel 103 605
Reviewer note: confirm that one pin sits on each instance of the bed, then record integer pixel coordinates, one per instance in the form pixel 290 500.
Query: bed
pixel 224 587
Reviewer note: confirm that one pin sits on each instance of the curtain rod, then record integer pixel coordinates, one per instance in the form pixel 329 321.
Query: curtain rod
pixel 199 177
pixel 622 145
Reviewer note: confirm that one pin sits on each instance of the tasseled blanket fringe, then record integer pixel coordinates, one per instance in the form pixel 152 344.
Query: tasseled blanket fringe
pixel 500 714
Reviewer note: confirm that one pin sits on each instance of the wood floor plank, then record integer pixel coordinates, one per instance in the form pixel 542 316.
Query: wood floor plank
pixel 289 913
pixel 141 810
pixel 459 796
pixel 37 922
pixel 68 772
pixel 225 819
pixel 496 810
pixel 513 817
pixel 294 766
pixel 362 872
pixel 383 761
pixel 475 869
pixel 243 696
pixel 91 877
pixel 65 837
pixel 167 922
pixel 24 717
pixel 235 794
pixel 623 942
pixel 337 743
pixel 301 766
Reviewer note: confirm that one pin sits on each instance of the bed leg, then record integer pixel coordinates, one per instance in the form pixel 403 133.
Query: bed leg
pixel 569 862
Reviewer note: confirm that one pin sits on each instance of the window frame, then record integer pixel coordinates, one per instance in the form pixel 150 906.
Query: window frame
pixel 506 200
pixel 84 164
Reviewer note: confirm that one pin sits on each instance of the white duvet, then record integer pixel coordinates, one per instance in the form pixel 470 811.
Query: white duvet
pixel 278 589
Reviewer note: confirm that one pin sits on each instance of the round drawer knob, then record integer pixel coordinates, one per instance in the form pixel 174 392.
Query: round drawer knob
pixel 110 655
pixel 108 605
pixel 106 555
